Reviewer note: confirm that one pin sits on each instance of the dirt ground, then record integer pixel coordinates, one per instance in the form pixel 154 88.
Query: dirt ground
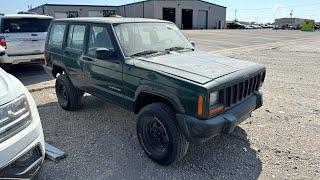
pixel 286 130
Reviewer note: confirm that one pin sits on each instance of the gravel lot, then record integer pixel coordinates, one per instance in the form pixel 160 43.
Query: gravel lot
pixel 281 139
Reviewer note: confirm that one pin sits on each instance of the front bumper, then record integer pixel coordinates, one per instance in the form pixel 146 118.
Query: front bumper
pixel 198 130
pixel 25 166
pixel 22 155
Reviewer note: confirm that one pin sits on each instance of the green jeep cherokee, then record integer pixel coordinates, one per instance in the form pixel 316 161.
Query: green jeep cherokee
pixel 149 67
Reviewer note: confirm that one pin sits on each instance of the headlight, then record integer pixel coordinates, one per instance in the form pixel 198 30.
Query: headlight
pixel 214 97
pixel 14 117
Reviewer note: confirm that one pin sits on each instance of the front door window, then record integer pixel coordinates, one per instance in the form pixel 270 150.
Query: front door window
pixel 98 38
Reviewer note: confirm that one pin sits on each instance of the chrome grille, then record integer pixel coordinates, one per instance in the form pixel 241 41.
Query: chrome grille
pixel 14 117
pixel 239 91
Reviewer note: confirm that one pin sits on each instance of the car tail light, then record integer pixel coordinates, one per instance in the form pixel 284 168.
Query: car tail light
pixel 3 42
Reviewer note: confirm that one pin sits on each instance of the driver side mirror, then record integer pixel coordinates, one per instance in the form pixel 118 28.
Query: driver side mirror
pixel 105 53
pixel 193 44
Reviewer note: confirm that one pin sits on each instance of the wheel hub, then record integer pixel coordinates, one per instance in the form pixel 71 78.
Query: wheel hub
pixel 158 137
pixel 62 93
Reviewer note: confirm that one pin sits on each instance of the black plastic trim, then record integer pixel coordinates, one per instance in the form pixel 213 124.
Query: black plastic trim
pixel 198 130
pixel 28 168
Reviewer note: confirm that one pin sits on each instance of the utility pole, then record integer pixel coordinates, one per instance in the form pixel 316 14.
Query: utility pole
pixel 291 13
pixel 235 15
pixel 29 6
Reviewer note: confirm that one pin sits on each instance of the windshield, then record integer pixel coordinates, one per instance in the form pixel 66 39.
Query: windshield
pixel 20 25
pixel 137 38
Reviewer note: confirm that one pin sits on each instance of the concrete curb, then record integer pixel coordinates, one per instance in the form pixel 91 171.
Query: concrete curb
pixel 41 86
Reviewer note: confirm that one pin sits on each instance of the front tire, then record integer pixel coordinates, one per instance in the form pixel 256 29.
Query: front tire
pixel 69 97
pixel 159 134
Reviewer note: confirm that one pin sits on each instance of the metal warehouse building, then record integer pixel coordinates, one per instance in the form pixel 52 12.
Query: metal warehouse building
pixel 59 11
pixel 295 22
pixel 187 14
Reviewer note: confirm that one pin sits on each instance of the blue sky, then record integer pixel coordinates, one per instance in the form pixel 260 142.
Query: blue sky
pixel 247 10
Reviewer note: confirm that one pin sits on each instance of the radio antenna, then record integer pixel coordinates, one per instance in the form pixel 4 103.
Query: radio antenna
pixel 135 30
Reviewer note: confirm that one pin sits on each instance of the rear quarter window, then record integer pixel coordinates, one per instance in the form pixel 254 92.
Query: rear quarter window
pixel 22 25
pixel 56 34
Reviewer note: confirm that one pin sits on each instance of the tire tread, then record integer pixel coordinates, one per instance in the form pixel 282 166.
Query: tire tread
pixel 181 141
pixel 74 94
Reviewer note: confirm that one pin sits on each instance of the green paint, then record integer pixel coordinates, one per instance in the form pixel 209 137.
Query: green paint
pixel 307 26
pixel 177 76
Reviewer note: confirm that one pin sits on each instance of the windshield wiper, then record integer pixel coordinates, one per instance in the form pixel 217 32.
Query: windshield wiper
pixel 147 52
pixel 178 48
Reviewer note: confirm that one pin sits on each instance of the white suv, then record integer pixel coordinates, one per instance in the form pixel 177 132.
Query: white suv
pixel 23 36
pixel 21 137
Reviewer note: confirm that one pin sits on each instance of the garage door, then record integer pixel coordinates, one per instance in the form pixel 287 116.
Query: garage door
pixel 202 19
pixel 59 15
pixel 169 14
pixel 95 14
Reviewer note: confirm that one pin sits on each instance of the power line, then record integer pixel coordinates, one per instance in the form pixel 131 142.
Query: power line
pixel 302 5
pixel 312 15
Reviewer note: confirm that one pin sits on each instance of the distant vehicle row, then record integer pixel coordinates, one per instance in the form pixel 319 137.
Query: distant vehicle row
pixel 237 25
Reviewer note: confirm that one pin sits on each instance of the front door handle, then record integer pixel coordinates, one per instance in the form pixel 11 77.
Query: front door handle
pixel 87 59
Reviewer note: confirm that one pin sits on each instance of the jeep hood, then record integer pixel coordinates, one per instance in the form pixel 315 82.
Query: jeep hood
pixel 195 66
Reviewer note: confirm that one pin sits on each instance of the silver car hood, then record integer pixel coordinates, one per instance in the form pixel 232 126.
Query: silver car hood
pixel 8 92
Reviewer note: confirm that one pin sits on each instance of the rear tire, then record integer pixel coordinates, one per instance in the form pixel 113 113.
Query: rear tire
pixel 159 134
pixel 69 97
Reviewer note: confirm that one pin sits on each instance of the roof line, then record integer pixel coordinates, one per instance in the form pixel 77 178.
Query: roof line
pixel 46 4
pixel 88 5
pixel 111 20
pixel 212 3
pixel 177 0
pixel 134 3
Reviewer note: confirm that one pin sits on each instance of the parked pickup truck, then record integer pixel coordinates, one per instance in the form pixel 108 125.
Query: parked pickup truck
pixel 149 67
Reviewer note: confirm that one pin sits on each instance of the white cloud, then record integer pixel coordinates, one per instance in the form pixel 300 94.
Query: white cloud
pixel 280 11
pixel 277 5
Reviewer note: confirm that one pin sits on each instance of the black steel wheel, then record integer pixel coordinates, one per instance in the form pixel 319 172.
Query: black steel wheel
pixel 156 135
pixel 159 134
pixel 62 94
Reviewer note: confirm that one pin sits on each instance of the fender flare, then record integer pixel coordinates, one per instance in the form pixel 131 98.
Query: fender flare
pixel 174 100
pixel 61 65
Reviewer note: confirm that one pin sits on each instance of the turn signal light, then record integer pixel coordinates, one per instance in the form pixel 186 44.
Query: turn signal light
pixel 200 105
pixel 216 110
